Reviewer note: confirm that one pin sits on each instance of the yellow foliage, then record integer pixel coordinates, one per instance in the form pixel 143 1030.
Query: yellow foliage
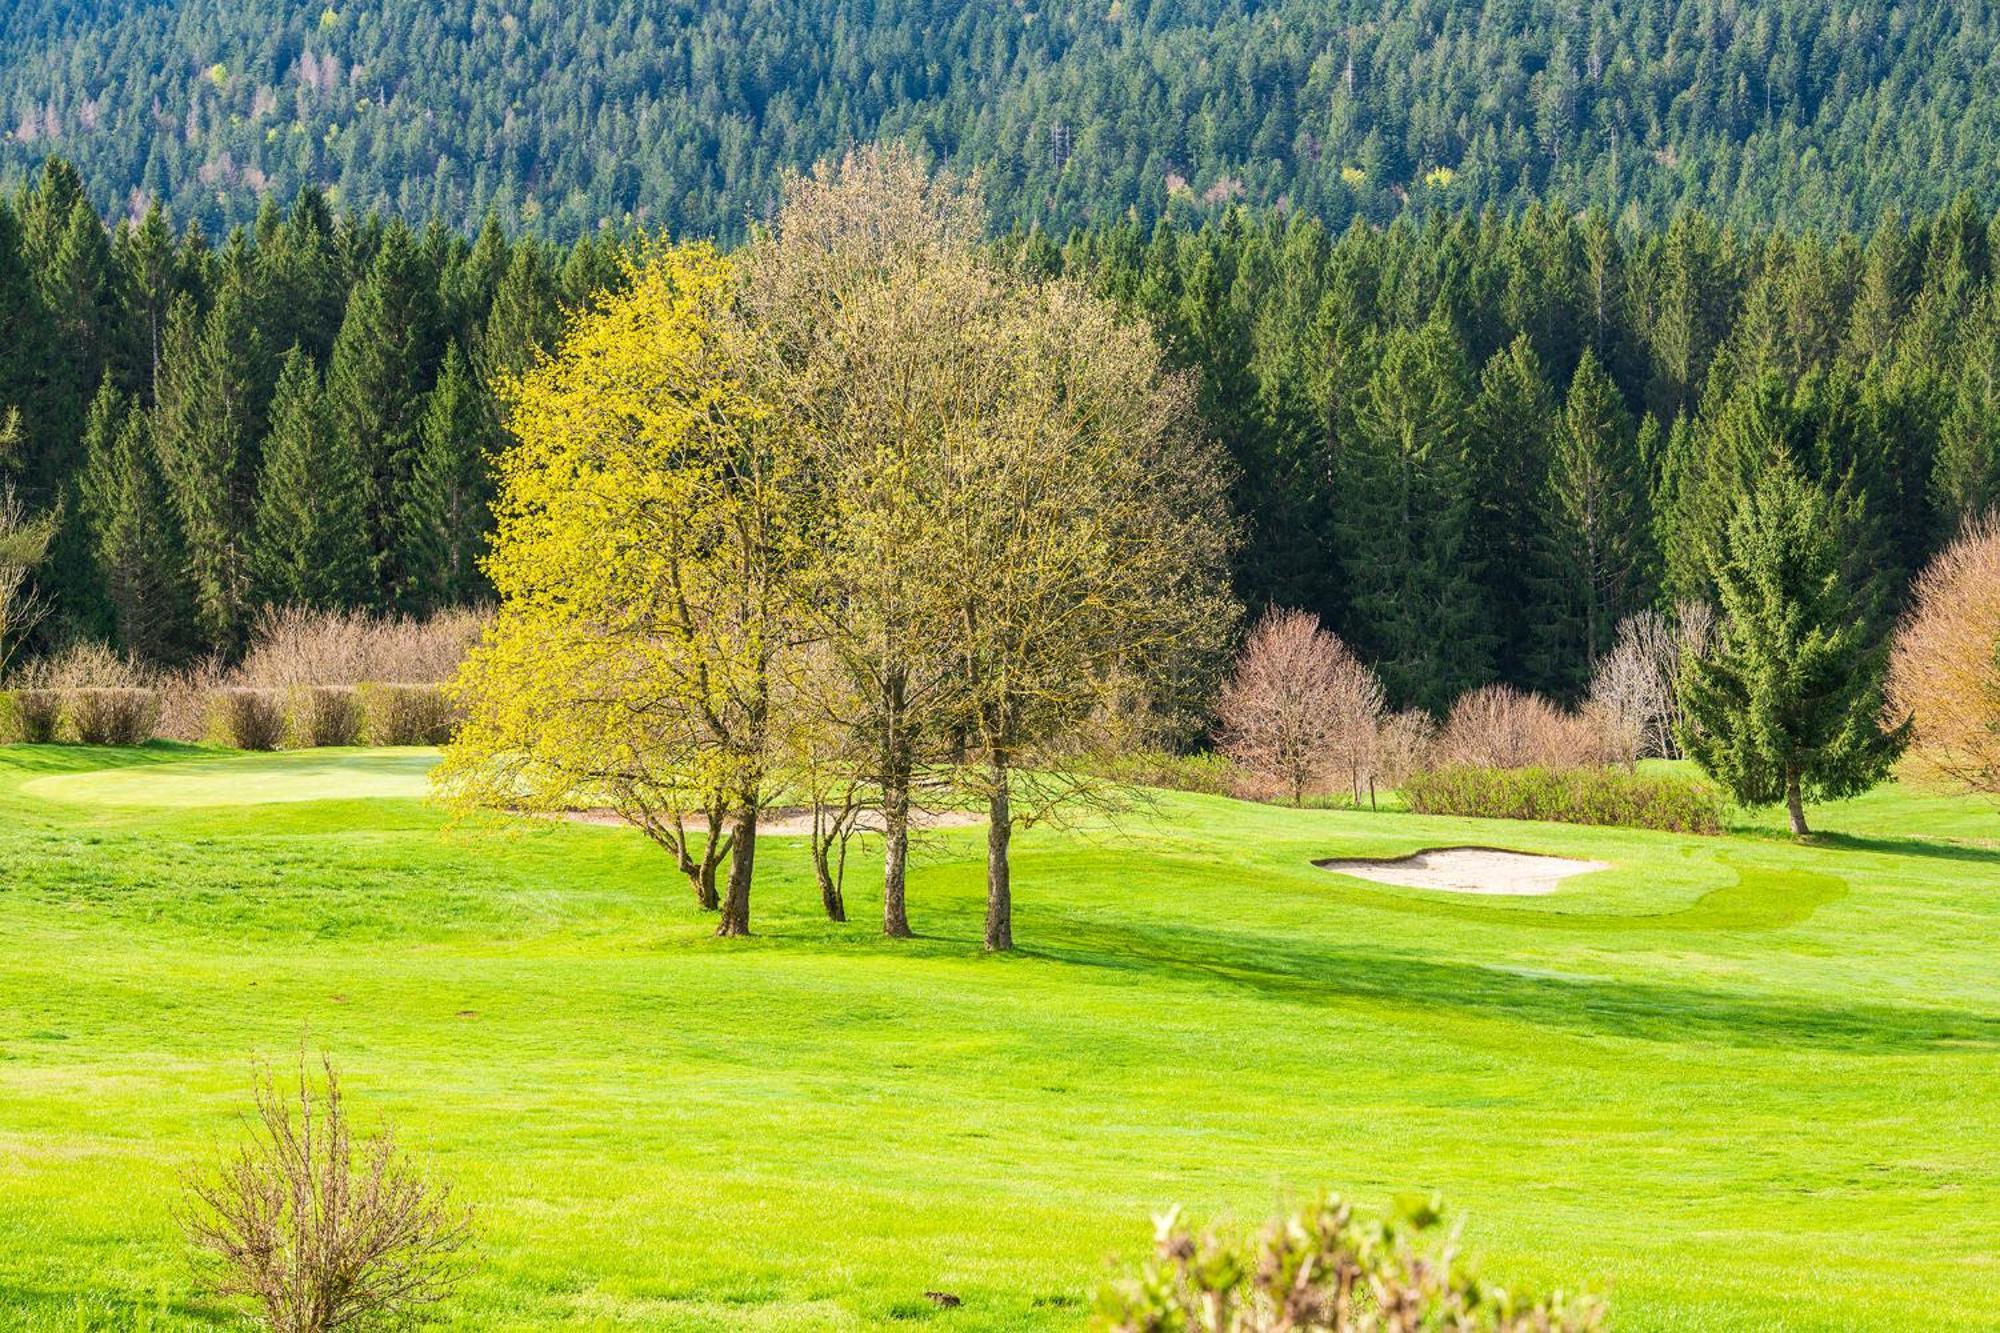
pixel 638 558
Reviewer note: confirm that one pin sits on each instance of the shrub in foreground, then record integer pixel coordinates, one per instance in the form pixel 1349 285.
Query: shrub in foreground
pixel 1568 796
pixel 1326 1270
pixel 407 715
pixel 114 716
pixel 319 1232
pixel 248 719
pixel 325 715
pixel 34 716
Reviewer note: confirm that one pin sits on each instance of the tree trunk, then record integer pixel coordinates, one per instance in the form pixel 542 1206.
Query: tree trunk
pixel 829 888
pixel 742 862
pixel 1794 806
pixel 704 888
pixel 999 874
pixel 895 855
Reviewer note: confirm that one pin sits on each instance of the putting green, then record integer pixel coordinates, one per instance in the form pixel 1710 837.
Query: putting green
pixel 238 779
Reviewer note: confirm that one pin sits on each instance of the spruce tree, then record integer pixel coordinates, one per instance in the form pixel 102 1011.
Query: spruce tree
pixel 1405 522
pixel 310 547
pixel 526 315
pixel 148 279
pixel 210 420
pixel 382 365
pixel 1512 420
pixel 1595 556
pixel 447 514
pixel 1787 705
pixel 138 547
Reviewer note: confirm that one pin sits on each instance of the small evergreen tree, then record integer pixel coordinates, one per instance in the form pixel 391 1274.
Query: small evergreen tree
pixel 1788 704
pixel 311 547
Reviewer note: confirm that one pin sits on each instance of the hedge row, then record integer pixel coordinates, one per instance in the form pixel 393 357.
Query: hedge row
pixel 248 719
pixel 1610 796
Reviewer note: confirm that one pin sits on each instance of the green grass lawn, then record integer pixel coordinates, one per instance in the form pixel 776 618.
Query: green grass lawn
pixel 1735 1082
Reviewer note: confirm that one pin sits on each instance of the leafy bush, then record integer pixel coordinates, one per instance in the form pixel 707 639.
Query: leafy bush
pixel 1325 1270
pixel 407 714
pixel 114 716
pixel 249 719
pixel 1568 796
pixel 35 716
pixel 325 715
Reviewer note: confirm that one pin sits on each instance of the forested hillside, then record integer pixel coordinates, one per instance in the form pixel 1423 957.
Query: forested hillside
pixel 682 115
pixel 1470 444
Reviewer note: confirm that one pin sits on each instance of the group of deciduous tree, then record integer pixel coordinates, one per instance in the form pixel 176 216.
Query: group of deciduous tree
pixel 860 505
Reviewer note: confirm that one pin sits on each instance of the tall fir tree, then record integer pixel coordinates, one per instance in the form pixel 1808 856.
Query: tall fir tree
pixel 1513 418
pixel 525 317
pixel 209 423
pixel 1405 524
pixel 1596 545
pixel 448 513
pixel 1788 704
pixel 310 542
pixel 136 538
pixel 383 361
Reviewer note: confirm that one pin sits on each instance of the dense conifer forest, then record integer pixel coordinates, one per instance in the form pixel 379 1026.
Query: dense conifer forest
pixel 560 118
pixel 1470 443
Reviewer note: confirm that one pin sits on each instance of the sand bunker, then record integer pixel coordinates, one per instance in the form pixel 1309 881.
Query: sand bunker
pixel 1469 870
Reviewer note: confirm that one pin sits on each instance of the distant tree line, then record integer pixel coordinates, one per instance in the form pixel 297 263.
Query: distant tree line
pixel 299 416
pixel 683 116
pixel 1471 445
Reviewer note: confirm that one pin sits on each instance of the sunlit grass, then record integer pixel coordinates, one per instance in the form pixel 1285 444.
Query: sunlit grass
pixel 1740 1083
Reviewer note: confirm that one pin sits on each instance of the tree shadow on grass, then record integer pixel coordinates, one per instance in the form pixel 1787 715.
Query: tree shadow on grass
pixel 1647 1011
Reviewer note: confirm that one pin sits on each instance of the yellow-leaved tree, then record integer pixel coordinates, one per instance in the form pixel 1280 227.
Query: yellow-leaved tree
pixel 650 532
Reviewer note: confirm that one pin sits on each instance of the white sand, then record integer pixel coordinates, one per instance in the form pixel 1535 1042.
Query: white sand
pixel 1470 870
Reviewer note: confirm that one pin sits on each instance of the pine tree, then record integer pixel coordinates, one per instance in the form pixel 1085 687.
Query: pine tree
pixel 447 514
pixel 209 423
pixel 1405 522
pixel 1595 555
pixel 525 317
pixel 1512 421
pixel 138 547
pixel 310 546
pixel 302 283
pixel 381 369
pixel 1788 704
pixel 149 277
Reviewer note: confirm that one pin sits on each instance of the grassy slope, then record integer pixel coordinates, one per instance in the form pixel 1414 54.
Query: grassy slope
pixel 1743 1084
